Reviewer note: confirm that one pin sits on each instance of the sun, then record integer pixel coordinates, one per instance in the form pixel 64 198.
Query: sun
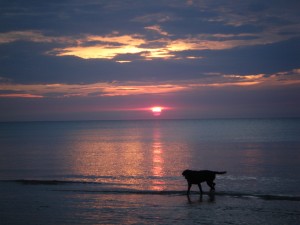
pixel 156 110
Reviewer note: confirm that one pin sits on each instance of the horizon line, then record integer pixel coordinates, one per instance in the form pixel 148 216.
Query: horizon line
pixel 154 119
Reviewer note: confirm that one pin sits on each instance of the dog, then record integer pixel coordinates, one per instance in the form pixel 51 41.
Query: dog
pixel 197 177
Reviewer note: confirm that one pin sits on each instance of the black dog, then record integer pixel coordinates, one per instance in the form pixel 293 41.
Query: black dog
pixel 197 177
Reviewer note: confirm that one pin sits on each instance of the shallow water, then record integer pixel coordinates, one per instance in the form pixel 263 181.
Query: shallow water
pixel 61 204
pixel 129 172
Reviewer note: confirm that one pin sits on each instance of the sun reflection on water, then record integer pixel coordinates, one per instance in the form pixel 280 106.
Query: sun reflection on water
pixel 124 159
pixel 157 161
pixel 253 158
pixel 109 157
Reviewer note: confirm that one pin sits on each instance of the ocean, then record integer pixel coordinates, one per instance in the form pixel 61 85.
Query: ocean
pixel 129 172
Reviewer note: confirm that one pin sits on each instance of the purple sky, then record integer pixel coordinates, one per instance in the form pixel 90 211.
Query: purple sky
pixel 88 60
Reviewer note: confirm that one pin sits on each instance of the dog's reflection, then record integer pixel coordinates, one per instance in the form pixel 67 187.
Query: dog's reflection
pixel 211 198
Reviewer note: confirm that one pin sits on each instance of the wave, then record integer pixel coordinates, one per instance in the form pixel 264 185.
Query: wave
pixel 49 182
pixel 99 190
pixel 211 194
pixel 260 196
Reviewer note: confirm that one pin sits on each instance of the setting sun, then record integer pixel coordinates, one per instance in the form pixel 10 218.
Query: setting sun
pixel 156 110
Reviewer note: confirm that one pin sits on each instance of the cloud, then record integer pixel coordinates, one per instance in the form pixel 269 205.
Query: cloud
pixel 158 29
pixel 31 36
pixel 110 46
pixel 155 18
pixel 15 95
pixel 129 88
pixel 175 28
pixel 86 90
pixel 102 47
pixel 164 46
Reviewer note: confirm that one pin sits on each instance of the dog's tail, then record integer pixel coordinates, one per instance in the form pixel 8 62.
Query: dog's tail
pixel 216 172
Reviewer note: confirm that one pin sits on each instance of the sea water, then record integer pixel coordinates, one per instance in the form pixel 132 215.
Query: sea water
pixel 129 172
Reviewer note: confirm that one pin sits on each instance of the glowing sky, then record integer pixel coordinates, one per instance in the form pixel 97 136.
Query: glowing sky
pixel 73 60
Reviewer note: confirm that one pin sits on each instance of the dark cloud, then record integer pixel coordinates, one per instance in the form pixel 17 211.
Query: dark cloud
pixel 268 58
pixel 26 63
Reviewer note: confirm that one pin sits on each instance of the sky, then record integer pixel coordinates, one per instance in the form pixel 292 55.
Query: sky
pixel 116 59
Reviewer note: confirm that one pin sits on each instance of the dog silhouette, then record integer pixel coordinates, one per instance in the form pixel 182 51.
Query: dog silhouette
pixel 197 177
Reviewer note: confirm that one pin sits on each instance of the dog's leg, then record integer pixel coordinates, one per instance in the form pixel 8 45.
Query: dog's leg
pixel 200 188
pixel 211 184
pixel 189 188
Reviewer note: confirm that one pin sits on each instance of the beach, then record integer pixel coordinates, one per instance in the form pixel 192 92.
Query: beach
pixel 46 204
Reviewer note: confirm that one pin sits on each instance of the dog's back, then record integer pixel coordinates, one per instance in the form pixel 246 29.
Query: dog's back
pixel 196 177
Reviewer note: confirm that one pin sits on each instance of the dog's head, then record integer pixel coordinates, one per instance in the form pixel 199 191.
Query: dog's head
pixel 185 173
